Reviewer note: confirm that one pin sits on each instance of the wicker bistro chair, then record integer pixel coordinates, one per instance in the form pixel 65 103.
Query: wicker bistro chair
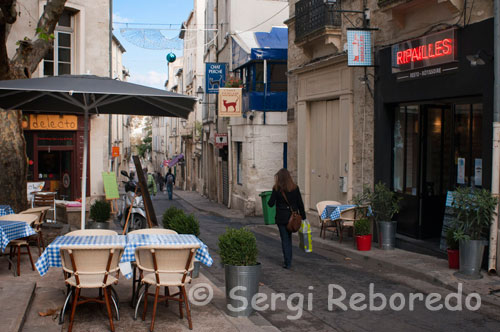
pixel 91 232
pixel 16 245
pixel 37 226
pixel 165 266
pixel 326 224
pixel 136 278
pixel 91 267
pixel 42 198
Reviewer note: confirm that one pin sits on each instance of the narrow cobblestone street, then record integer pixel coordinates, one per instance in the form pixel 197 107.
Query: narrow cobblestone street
pixel 311 274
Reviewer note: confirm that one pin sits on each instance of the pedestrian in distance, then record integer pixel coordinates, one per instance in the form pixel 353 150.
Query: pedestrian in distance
pixel 159 180
pixel 151 183
pixel 284 190
pixel 170 182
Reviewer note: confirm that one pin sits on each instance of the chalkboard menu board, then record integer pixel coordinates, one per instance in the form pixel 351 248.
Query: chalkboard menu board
pixel 447 220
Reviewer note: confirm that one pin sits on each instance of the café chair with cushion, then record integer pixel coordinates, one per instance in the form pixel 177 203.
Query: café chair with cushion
pixel 326 224
pixel 136 279
pixel 165 266
pixel 37 225
pixel 43 198
pixel 91 267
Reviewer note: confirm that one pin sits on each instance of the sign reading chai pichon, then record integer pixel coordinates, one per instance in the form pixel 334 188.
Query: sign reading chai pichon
pixel 53 122
pixel 431 50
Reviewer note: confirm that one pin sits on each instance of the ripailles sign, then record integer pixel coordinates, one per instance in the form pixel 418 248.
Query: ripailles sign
pixel 430 50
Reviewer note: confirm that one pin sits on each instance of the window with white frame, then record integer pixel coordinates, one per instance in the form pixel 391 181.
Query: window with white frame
pixel 59 60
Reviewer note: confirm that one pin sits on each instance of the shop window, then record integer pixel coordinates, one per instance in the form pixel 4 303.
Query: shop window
pixel 259 77
pixel 412 149
pixel 55 139
pixel 59 59
pixel 277 77
pixel 239 155
pixel 49 165
pixel 398 149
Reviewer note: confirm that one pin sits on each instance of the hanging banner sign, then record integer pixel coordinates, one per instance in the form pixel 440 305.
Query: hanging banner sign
pixel 431 50
pixel 220 141
pixel 359 48
pixel 115 151
pixel 229 102
pixel 215 76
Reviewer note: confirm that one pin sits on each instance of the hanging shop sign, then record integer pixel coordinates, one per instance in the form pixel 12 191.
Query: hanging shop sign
pixel 215 76
pixel 229 102
pixel 52 122
pixel 359 48
pixel 220 141
pixel 115 151
pixel 420 53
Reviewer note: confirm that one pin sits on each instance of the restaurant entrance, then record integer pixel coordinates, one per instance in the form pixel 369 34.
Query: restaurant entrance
pixel 436 147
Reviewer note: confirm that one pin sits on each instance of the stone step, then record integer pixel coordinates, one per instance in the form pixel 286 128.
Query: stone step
pixel 16 298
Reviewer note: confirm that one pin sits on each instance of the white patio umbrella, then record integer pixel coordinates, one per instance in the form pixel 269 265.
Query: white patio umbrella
pixel 89 94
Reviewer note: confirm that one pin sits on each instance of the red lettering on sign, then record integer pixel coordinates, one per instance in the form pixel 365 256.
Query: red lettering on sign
pixel 434 50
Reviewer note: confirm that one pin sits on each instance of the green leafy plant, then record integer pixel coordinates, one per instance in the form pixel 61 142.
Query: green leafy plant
pixel 473 210
pixel 362 227
pixel 384 202
pixel 451 242
pixel 100 211
pixel 170 214
pixel 185 224
pixel 238 247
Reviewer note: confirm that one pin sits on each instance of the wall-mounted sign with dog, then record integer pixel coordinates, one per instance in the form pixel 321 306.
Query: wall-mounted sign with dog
pixel 215 77
pixel 229 102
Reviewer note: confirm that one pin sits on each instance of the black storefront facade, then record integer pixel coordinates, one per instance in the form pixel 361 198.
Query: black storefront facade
pixel 433 124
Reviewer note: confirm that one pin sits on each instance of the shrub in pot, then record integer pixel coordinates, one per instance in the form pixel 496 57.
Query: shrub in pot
pixel 362 229
pixel 238 251
pixel 452 244
pixel 100 212
pixel 384 204
pixel 473 211
pixel 175 219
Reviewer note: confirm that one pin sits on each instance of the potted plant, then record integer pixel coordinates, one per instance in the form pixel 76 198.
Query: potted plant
pixel 384 204
pixel 362 229
pixel 238 251
pixel 100 212
pixel 452 245
pixel 473 210
pixel 175 219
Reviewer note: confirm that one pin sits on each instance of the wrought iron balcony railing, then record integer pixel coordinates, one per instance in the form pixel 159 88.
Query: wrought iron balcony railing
pixel 314 15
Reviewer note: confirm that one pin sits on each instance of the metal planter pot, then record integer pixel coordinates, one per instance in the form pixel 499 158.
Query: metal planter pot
pixel 242 276
pixel 196 269
pixel 471 257
pixel 387 235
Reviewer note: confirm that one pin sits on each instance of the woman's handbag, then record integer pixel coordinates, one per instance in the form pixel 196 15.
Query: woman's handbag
pixel 295 218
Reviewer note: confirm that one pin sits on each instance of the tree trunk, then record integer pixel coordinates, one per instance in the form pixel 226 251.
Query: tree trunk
pixel 13 161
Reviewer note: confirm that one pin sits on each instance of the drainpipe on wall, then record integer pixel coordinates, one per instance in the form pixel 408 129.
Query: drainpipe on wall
pixel 110 116
pixel 230 166
pixel 495 177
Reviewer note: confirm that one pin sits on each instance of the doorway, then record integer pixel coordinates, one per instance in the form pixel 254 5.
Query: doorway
pixel 436 147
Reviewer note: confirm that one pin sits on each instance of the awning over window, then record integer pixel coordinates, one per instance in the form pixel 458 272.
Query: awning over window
pixel 251 45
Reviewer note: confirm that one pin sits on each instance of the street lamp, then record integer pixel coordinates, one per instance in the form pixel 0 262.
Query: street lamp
pixel 200 93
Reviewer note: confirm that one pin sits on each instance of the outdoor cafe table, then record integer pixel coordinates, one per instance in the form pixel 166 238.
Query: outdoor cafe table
pixel 11 230
pixel 333 211
pixel 52 258
pixel 5 210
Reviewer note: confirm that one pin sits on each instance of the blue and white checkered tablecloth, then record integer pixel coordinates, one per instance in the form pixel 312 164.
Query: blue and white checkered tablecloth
pixel 138 240
pixel 51 256
pixel 333 211
pixel 5 210
pixel 11 230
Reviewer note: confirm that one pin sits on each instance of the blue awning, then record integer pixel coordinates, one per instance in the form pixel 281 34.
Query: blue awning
pixel 251 45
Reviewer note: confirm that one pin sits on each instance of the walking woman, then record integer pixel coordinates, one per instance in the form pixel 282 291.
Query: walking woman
pixel 285 187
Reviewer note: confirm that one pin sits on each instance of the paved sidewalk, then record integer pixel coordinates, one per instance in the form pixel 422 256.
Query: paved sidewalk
pixel 405 266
